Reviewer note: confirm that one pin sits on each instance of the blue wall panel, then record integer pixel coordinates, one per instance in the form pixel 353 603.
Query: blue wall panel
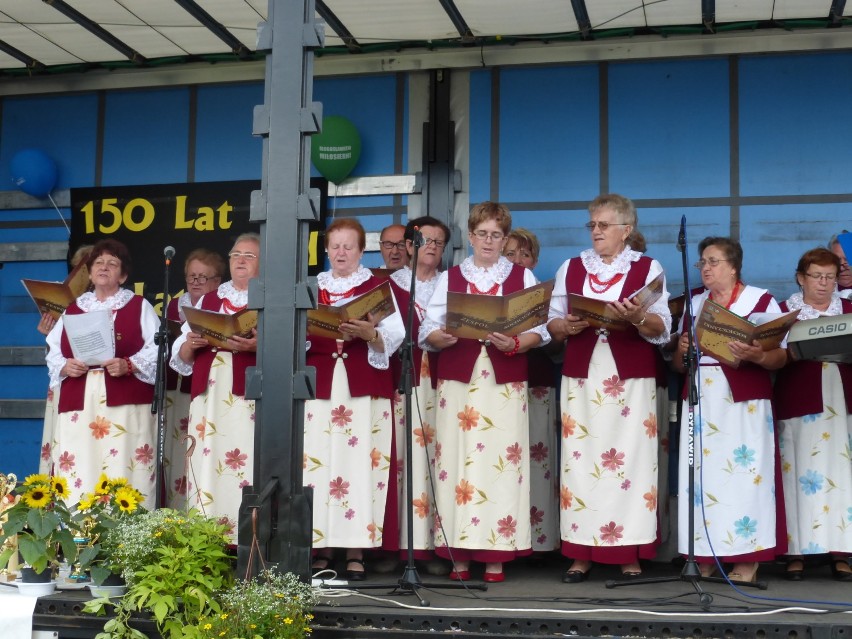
pixel 225 148
pixel 775 237
pixel 146 137
pixel 370 104
pixel 669 129
pixel 64 127
pixel 481 91
pixel 549 134
pixel 21 441
pixel 795 128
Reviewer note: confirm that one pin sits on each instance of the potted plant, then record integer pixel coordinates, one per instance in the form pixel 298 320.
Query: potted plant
pixel 272 606
pixel 174 563
pixel 98 512
pixel 42 523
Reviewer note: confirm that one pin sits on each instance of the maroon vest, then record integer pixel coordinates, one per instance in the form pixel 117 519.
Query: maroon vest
pixel 204 357
pixel 456 362
pixel 172 313
pixel 403 298
pixel 120 391
pixel 634 357
pixel 364 380
pixel 798 386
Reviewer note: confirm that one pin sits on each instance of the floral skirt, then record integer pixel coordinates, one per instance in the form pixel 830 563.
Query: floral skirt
pixel 347 462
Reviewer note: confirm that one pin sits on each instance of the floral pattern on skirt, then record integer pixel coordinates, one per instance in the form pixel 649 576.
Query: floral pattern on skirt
pixel 816 465
pixel 482 460
pixel 610 448
pixel 175 461
pixel 221 462
pixel 117 440
pixel 734 472
pixel 347 462
pixel 544 473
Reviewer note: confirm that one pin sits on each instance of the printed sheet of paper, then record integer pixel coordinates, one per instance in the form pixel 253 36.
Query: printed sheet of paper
pixel 55 297
pixel 717 327
pixel 91 336
pixel 475 316
pixel 599 313
pixel 325 320
pixel 218 327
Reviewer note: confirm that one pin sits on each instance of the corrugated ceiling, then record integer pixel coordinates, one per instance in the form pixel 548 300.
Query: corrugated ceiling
pixel 45 36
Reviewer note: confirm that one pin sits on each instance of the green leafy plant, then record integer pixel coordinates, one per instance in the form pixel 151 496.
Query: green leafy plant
pixel 272 606
pixel 42 522
pixel 112 501
pixel 174 563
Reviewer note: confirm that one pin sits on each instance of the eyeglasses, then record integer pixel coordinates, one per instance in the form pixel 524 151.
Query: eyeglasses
pixel 438 243
pixel 603 226
pixel 388 245
pixel 822 277
pixel 107 263
pixel 235 255
pixel 199 279
pixel 712 261
pixel 494 235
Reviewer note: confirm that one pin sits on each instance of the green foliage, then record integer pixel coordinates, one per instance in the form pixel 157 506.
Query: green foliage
pixel 174 564
pixel 273 606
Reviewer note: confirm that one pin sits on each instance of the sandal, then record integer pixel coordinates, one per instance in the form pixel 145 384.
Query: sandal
pixel 743 577
pixel 356 575
pixel 320 563
pixel 795 570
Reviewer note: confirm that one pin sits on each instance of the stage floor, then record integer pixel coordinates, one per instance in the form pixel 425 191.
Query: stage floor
pixel 533 602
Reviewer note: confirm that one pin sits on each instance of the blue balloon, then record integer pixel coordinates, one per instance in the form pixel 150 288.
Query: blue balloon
pixel 34 172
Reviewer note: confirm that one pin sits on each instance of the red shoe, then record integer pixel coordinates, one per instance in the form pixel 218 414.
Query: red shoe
pixel 461 575
pixel 494 577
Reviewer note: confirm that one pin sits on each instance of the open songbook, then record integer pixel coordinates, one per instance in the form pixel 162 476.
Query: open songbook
pixel 218 327
pixel 717 327
pixel 55 297
pixel 475 316
pixel 325 320
pixel 599 313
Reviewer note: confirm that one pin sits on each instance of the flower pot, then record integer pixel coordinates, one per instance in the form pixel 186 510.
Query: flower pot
pixel 114 580
pixel 36 588
pixel 107 591
pixel 30 576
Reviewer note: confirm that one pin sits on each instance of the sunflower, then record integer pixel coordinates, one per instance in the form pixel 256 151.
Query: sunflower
pixel 127 499
pixel 38 496
pixel 118 482
pixel 59 486
pixel 86 502
pixel 36 479
pixel 102 487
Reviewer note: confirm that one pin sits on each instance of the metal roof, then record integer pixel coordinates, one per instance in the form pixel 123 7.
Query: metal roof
pixel 50 36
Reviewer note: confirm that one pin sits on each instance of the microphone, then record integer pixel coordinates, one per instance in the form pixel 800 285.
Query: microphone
pixel 169 252
pixel 417 237
pixel 681 238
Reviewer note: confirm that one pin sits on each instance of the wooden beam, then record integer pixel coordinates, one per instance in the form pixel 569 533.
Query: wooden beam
pixel 22 356
pixel 22 408
pixel 33 251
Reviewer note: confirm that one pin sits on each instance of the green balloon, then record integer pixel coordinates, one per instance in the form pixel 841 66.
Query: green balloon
pixel 335 151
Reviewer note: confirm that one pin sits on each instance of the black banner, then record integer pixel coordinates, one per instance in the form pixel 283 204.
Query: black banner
pixel 148 218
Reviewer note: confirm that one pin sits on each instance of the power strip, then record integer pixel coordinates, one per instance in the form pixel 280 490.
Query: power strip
pixel 328 583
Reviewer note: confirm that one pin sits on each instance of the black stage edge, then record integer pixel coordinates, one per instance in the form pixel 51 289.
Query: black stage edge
pixel 533 602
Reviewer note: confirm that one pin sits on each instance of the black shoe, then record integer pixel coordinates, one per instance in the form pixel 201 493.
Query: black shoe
pixel 575 576
pixel 356 575
pixel 795 570
pixel 840 575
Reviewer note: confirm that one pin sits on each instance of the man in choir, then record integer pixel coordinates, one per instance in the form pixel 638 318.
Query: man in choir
pixel 844 278
pixel 392 244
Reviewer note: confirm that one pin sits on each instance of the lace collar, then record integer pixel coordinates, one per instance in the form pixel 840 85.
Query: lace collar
pixel 235 296
pixel 485 278
pixel 620 264
pixel 89 302
pixel 796 302
pixel 424 288
pixel 327 281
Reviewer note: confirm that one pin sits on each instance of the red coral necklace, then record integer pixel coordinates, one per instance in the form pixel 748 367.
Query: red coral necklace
pixel 598 286
pixel 231 308
pixel 490 291
pixel 328 298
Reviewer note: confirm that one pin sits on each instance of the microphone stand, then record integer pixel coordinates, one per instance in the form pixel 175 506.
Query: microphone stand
pixel 410 582
pixel 158 405
pixel 690 572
